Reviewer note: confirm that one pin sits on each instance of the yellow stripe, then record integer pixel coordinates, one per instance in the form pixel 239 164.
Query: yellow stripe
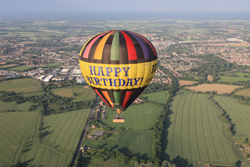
pixel 118 76
pixel 87 42
pixel 100 46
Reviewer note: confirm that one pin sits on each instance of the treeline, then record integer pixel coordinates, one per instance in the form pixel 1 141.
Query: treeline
pixel 225 117
pixel 115 154
pixel 159 125
pixel 44 101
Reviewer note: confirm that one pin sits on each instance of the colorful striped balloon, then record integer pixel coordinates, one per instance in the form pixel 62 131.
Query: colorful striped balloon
pixel 118 65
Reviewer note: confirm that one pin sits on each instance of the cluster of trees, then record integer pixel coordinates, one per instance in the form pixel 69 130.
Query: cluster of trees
pixel 225 117
pixel 11 96
pixel 106 154
pixel 44 101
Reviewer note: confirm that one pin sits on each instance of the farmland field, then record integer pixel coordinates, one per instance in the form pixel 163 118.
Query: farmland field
pixel 219 88
pixel 240 115
pixel 158 97
pixel 53 64
pixel 13 106
pixel 184 82
pixel 244 92
pixel 140 116
pixel 81 92
pixel 138 142
pixel 21 68
pixel 14 128
pixel 194 133
pixel 36 154
pixel 92 161
pixel 64 130
pixel 26 86
pixel 234 79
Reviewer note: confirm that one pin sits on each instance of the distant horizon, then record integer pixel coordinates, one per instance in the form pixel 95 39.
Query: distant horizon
pixel 130 15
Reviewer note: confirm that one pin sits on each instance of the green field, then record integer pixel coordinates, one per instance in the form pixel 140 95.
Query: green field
pixel 244 92
pixel 26 86
pixel 158 97
pixel 64 130
pixel 81 92
pixel 99 162
pixel 240 115
pixel 36 154
pixel 14 129
pixel 234 79
pixel 54 64
pixel 195 133
pixel 138 142
pixel 7 66
pixel 13 106
pixel 20 68
pixel 140 116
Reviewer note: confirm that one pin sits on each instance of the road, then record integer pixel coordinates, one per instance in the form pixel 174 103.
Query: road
pixel 83 134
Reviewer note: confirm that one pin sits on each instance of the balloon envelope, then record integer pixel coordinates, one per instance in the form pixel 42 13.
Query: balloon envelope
pixel 118 65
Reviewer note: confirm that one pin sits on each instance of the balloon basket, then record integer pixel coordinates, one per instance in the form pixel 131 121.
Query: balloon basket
pixel 119 119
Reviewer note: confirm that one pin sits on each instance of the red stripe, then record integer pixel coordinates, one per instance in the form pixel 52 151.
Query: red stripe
pixel 151 46
pixel 130 47
pixel 102 97
pixel 127 96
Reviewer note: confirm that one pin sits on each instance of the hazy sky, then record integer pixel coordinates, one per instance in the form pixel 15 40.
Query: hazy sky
pixel 49 6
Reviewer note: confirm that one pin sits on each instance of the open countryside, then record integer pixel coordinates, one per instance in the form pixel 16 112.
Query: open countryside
pixel 243 92
pixel 194 134
pixel 218 88
pixel 25 86
pixel 240 115
pixel 14 129
pixel 64 130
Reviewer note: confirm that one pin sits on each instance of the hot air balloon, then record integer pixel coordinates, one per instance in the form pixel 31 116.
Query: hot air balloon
pixel 118 65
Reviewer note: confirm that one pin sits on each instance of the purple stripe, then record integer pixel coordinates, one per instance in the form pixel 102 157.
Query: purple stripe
pixel 143 46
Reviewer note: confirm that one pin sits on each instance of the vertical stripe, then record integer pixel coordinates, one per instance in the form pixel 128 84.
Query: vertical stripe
pixel 139 91
pixel 130 47
pixel 143 46
pixel 149 43
pixel 86 53
pixel 117 97
pixel 105 93
pixel 115 47
pixel 101 97
pixel 128 94
pixel 99 48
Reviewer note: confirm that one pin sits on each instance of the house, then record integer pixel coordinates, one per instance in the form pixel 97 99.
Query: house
pixel 98 133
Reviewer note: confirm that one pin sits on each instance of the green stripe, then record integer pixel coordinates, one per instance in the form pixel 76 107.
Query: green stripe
pixel 117 98
pixel 114 55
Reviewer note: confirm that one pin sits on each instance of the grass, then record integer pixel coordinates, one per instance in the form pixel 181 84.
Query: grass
pixel 92 161
pixel 234 79
pixel 240 115
pixel 13 106
pixel 14 128
pixel 81 93
pixel 36 154
pixel 63 130
pixel 140 116
pixel 244 92
pixel 53 64
pixel 7 66
pixel 25 86
pixel 194 133
pixel 158 97
pixel 138 142
pixel 20 68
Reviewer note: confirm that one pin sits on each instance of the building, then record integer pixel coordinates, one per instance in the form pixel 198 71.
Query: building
pixel 98 133
pixel 48 78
